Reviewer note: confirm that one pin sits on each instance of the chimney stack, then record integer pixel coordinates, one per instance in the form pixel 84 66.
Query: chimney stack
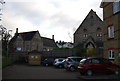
pixel 16 32
pixel 53 37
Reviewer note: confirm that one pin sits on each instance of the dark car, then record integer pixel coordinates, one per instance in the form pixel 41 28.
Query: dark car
pixel 59 62
pixel 48 62
pixel 71 63
pixel 92 65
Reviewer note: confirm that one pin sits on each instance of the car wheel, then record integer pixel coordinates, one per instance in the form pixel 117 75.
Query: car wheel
pixel 66 69
pixel 89 72
pixel 72 68
pixel 60 66
pixel 116 72
pixel 46 64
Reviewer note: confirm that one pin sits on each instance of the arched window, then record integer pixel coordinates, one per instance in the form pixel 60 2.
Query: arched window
pixel 98 29
pixel 90 45
pixel 85 30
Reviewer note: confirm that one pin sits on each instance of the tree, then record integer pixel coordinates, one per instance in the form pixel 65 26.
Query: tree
pixel 5 37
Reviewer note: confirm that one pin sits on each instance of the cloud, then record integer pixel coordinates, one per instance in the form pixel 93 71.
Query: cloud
pixel 58 17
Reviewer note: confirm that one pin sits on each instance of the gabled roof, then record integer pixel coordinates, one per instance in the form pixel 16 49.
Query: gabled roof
pixel 28 35
pixel 92 17
pixel 48 42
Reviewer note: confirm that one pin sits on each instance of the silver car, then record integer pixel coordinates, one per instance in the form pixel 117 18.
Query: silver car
pixel 71 63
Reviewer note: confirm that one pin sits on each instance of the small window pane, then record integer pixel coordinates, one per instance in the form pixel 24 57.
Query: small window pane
pixel 111 54
pixel 32 56
pixel 36 56
pixel 111 32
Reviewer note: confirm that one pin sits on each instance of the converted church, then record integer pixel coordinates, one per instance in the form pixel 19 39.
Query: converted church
pixel 89 33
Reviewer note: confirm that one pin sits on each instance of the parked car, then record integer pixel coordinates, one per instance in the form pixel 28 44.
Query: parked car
pixel 48 62
pixel 92 65
pixel 59 62
pixel 71 63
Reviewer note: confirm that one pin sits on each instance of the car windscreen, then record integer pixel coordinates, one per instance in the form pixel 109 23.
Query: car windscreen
pixel 61 59
pixel 83 61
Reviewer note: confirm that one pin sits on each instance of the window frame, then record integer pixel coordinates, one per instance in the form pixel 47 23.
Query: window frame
pixel 111 33
pixel 116 7
pixel 32 57
pixel 111 54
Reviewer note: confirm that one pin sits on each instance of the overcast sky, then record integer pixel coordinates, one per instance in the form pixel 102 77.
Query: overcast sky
pixel 50 17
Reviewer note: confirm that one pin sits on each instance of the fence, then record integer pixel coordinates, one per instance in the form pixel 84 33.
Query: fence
pixel 20 56
pixel 52 54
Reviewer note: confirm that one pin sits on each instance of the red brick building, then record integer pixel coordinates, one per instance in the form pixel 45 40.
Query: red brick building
pixel 111 30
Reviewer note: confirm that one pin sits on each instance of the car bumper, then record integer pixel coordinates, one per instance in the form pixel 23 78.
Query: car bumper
pixel 81 69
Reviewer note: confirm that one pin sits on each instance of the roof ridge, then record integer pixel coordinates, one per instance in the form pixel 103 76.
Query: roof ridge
pixel 47 38
pixel 27 32
pixel 28 35
pixel 87 17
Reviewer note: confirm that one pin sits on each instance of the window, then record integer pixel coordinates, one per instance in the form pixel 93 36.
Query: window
pixel 32 56
pixel 111 54
pixel 105 61
pixel 36 57
pixel 111 32
pixel 18 49
pixel 48 49
pixel 95 61
pixel 69 60
pixel 85 30
pixel 99 35
pixel 116 7
pixel 85 35
pixel 98 29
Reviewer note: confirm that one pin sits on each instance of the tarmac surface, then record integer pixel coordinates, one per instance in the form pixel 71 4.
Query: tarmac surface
pixel 28 72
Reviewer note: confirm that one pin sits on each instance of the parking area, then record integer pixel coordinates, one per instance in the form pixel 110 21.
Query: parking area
pixel 50 72
pixel 37 72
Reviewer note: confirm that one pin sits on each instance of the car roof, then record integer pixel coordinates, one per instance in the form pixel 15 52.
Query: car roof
pixel 60 58
pixel 75 57
pixel 95 58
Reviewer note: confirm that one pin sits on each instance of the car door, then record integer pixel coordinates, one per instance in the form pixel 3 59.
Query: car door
pixel 96 66
pixel 105 65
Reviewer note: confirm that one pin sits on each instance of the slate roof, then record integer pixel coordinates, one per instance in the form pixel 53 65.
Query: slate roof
pixel 28 35
pixel 48 42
